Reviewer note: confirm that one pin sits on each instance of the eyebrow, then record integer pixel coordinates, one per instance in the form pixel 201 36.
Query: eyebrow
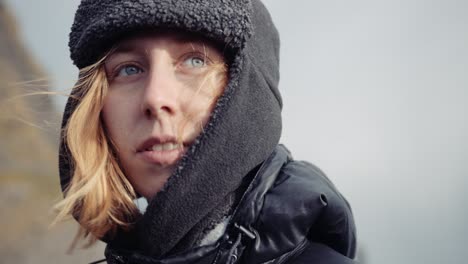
pixel 123 48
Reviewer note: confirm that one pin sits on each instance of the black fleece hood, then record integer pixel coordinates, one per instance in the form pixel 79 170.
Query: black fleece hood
pixel 245 125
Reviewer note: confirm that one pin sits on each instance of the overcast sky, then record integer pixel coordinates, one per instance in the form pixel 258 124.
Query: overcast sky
pixel 375 94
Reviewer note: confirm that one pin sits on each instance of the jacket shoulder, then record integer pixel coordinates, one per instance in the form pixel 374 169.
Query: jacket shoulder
pixel 320 253
pixel 304 204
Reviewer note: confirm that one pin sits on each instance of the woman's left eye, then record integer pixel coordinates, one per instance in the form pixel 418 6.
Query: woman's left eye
pixel 195 62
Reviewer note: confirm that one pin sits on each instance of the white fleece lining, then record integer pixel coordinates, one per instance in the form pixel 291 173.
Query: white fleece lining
pixel 216 233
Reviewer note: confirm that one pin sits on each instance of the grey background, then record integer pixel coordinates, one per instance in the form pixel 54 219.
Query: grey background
pixel 375 94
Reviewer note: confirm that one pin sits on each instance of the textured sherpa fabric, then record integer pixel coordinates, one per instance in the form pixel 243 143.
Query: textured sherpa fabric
pixel 243 130
pixel 98 24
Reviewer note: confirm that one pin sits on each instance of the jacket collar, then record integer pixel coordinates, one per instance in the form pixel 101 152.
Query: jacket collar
pixel 239 232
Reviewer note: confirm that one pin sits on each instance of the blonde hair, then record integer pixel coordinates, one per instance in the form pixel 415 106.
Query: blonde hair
pixel 99 195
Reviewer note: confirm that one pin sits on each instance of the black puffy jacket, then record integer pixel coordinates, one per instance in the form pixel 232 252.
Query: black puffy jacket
pixel 290 213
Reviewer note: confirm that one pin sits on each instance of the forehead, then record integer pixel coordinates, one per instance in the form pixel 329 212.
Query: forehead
pixel 171 38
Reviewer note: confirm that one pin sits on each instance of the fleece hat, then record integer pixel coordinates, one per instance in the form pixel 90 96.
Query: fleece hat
pixel 244 127
pixel 99 24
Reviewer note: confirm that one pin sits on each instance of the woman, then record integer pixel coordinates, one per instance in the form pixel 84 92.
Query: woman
pixel 178 102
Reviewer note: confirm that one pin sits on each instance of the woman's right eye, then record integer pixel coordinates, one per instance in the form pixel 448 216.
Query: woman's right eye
pixel 128 70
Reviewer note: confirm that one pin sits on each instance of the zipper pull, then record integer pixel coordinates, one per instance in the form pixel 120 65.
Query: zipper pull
pixel 244 230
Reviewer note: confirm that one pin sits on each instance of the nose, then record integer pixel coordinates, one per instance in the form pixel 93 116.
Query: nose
pixel 160 94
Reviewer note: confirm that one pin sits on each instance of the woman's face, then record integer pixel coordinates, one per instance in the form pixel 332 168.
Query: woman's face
pixel 162 88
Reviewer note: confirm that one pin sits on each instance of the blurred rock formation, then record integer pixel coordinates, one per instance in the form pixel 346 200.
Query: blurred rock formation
pixel 29 185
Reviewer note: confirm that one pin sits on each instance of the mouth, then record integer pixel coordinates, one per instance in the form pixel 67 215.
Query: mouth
pixel 164 146
pixel 163 151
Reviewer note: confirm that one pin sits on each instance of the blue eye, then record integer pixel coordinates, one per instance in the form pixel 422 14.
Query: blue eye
pixel 129 70
pixel 195 62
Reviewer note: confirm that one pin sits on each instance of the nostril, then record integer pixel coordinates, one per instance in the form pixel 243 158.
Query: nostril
pixel 148 113
pixel 323 199
pixel 157 112
pixel 165 109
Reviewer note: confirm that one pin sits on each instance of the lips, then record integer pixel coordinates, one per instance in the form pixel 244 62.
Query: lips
pixel 164 151
pixel 163 146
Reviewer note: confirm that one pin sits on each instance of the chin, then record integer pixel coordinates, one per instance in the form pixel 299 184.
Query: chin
pixel 155 184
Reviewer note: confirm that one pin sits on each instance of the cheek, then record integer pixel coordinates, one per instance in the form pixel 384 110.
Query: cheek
pixel 117 117
pixel 210 96
pixel 210 89
pixel 198 107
